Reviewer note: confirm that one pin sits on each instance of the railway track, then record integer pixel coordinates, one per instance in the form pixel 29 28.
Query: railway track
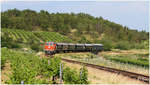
pixel 133 75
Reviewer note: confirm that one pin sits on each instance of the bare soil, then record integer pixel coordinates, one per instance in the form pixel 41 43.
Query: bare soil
pixel 6 71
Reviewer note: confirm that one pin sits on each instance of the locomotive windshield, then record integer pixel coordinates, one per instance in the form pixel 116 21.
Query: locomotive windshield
pixel 49 43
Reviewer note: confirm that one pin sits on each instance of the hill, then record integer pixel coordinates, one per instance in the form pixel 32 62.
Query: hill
pixel 81 27
pixel 11 38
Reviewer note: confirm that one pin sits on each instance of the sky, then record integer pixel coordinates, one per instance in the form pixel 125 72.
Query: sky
pixel 133 14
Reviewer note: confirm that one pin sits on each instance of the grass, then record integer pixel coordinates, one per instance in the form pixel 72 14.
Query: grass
pixel 139 61
pixel 134 57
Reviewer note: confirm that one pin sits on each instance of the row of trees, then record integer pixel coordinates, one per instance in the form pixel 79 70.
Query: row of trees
pixel 64 23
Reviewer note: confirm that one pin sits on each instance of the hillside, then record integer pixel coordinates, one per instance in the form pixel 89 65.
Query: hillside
pixel 25 36
pixel 15 38
pixel 81 28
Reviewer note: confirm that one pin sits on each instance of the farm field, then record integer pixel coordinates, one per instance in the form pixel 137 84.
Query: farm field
pixel 36 36
pixel 19 67
pixel 138 62
pixel 130 60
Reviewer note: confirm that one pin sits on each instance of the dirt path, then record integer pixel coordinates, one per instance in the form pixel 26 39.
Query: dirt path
pixel 5 72
pixel 96 76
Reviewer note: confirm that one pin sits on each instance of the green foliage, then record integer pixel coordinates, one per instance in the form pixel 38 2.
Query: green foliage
pixel 64 23
pixel 9 43
pixel 107 43
pixel 145 44
pixel 83 40
pixel 12 38
pixel 71 77
pixel 83 76
pixel 36 47
pixel 52 36
pixel 139 61
pixel 3 60
pixel 27 67
pixel 52 68
pixel 123 45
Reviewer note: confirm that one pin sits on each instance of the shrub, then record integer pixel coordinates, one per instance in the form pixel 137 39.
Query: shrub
pixel 15 45
pixel 36 47
pixel 70 76
pixel 123 45
pixel 83 76
pixel 108 44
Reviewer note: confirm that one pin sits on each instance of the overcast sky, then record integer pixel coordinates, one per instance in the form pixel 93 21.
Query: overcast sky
pixel 133 14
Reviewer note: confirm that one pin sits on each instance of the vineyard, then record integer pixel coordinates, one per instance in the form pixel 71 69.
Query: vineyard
pixel 26 36
pixel 31 69
pixel 28 68
pixel 52 36
pixel 20 35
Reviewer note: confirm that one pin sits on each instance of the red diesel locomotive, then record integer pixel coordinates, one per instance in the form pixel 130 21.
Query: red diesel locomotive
pixel 52 48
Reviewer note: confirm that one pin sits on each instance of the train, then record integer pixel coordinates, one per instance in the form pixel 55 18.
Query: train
pixel 51 48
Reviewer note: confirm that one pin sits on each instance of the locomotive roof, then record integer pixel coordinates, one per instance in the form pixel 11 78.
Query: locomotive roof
pixel 62 43
pixel 98 44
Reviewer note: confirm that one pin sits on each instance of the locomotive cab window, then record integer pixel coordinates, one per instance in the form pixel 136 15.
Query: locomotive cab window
pixel 47 44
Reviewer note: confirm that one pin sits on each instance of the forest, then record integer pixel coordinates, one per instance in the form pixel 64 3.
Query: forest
pixel 81 28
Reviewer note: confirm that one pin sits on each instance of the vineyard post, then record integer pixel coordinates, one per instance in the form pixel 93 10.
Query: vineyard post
pixel 81 73
pixel 60 73
pixel 22 82
pixel 48 62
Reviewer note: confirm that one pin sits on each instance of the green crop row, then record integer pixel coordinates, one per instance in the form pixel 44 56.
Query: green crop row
pixel 52 36
pixel 26 36
pixel 26 67
pixel 20 35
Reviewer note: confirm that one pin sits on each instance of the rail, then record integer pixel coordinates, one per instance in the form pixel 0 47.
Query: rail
pixel 133 75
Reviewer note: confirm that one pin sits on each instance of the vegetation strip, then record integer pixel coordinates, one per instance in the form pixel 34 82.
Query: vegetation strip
pixel 125 73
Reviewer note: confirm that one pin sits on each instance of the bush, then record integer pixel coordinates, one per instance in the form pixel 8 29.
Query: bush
pixel 83 76
pixel 108 44
pixel 15 45
pixel 123 45
pixel 70 76
pixel 36 47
